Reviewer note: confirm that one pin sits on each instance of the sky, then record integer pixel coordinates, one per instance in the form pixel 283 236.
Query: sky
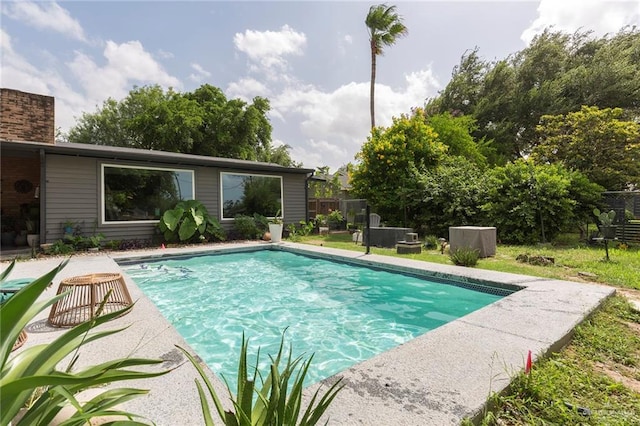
pixel 310 59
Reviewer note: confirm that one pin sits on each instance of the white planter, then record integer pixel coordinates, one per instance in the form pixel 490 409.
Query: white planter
pixel 33 240
pixel 275 229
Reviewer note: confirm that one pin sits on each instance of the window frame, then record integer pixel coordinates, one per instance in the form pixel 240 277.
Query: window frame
pixel 102 206
pixel 222 174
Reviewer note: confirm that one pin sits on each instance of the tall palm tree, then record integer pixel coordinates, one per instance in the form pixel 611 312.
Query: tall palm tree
pixel 384 26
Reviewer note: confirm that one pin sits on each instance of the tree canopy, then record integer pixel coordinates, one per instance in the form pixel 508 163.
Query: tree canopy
pixel 556 74
pixel 202 122
pixel 594 141
pixel 391 162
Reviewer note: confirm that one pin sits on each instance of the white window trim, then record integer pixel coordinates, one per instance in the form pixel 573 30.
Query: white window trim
pixel 103 220
pixel 222 218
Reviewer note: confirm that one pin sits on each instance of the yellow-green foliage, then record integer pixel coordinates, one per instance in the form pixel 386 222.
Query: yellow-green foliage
pixel 392 158
pixel 597 142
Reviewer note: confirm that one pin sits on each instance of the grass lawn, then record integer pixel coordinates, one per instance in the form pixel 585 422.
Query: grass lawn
pixel 573 262
pixel 595 380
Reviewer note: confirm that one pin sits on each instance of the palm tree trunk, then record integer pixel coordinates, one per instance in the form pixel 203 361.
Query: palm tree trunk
pixel 373 85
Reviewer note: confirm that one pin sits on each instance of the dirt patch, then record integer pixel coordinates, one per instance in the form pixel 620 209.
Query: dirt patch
pixel 634 326
pixel 629 293
pixel 618 376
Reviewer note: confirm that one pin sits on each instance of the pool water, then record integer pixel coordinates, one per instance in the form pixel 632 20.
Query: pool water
pixel 341 313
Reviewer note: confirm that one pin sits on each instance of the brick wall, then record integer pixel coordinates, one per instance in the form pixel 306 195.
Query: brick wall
pixel 26 117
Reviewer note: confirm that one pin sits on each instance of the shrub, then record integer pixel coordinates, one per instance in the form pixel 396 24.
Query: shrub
pixel 526 201
pixel 293 232
pixel 262 223
pixel 247 228
pixel 306 228
pixel 450 195
pixel 464 256
pixel 60 247
pixel 335 216
pixel 112 244
pixel 430 242
pixel 301 230
pixel 134 244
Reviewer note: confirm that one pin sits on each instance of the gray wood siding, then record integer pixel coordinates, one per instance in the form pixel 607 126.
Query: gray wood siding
pixel 295 200
pixel 71 194
pixel 208 189
pixel 73 191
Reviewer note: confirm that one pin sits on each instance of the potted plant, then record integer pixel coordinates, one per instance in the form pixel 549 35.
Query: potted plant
pixel 606 226
pixel 275 228
pixel 33 236
pixel 68 226
pixel 336 221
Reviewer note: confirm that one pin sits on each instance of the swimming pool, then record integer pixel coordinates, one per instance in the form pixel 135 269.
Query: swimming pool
pixel 340 312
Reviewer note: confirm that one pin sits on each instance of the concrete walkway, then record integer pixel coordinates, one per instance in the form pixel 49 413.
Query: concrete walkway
pixel 438 378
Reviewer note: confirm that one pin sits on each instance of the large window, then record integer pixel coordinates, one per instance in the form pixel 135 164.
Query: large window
pixel 249 194
pixel 142 193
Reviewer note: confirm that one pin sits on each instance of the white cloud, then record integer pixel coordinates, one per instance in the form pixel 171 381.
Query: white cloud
pixel 343 43
pixel 19 74
pixel 45 16
pixel 127 64
pixel 267 49
pixel 601 16
pixel 200 73
pixel 163 54
pixel 247 89
pixel 335 124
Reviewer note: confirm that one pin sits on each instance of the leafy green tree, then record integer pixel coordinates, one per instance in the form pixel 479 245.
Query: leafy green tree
pixel 452 195
pixel 391 163
pixel 556 74
pixel 231 128
pixel 279 155
pixel 455 132
pixel 596 142
pixel 105 127
pixel 385 27
pixel 463 90
pixel 329 186
pixel 202 122
pixel 588 196
pixel 529 203
pixel 148 118
pixel 160 121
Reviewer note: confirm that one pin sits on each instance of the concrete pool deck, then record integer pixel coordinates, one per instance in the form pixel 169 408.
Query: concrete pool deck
pixel 438 378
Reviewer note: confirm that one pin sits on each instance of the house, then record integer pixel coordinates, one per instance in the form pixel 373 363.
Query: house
pixel 122 192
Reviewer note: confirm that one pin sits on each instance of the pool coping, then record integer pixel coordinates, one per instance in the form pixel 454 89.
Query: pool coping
pixel 439 378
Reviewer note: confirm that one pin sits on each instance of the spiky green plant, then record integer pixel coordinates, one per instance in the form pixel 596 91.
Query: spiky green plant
pixel 36 368
pixel 464 256
pixel 276 403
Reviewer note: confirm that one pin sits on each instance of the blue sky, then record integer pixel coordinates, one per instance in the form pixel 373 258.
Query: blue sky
pixel 311 59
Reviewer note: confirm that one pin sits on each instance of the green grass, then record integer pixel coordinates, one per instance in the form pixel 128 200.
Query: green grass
pixel 573 378
pixel 622 270
pixel 599 370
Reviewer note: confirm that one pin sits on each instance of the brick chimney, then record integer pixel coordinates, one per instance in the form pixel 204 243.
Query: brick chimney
pixel 26 117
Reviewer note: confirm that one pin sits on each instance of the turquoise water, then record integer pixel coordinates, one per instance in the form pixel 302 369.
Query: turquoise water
pixel 342 313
